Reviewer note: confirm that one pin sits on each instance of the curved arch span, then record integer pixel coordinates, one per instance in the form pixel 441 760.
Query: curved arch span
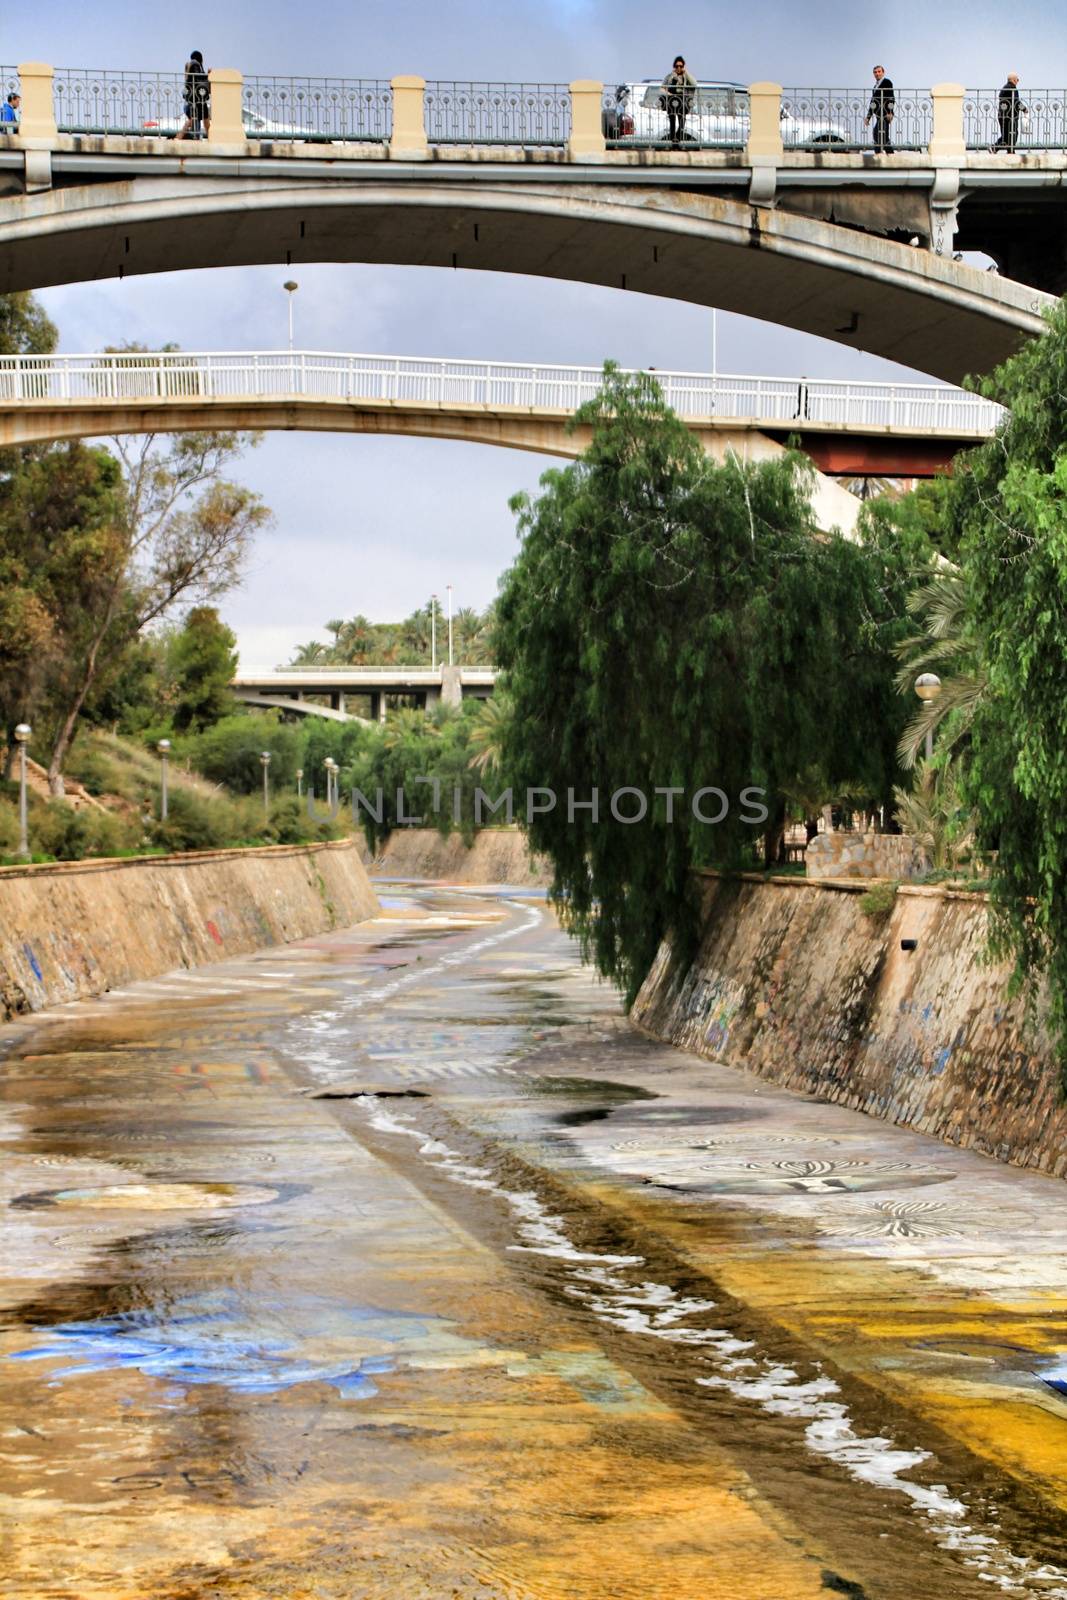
pixel 869 293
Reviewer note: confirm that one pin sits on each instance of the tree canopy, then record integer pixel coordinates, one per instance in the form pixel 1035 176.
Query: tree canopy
pixel 671 625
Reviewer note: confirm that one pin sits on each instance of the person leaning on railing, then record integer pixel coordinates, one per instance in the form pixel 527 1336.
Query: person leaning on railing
pixel 196 98
pixel 679 90
pixel 1009 114
pixel 9 112
pixel 881 111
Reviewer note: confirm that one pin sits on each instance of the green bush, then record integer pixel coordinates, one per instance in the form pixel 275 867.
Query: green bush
pixel 229 752
pixel 197 822
pixel 879 900
pixel 290 824
pixel 57 830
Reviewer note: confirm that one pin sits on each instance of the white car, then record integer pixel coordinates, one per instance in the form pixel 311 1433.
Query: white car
pixel 256 127
pixel 718 115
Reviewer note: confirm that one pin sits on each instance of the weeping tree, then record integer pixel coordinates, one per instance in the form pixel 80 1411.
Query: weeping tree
pixel 1008 511
pixel 671 625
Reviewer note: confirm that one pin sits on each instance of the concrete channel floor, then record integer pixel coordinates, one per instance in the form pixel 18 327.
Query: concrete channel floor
pixel 397 1263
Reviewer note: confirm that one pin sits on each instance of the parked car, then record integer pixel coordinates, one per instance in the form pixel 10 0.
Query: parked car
pixel 256 127
pixel 718 115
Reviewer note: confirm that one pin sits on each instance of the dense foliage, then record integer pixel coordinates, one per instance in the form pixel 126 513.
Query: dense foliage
pixel 672 624
pixel 360 642
pixel 1008 513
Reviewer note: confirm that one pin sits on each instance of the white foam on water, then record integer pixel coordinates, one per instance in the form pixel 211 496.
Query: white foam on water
pixel 656 1310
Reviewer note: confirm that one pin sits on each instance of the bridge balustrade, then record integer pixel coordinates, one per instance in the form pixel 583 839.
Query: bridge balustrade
pixel 317 110
pixel 124 376
pixel 532 115
pixel 109 102
pixel 836 119
pixel 498 113
pixel 1042 125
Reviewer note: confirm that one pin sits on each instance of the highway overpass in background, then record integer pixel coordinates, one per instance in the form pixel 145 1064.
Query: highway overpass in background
pixel 306 689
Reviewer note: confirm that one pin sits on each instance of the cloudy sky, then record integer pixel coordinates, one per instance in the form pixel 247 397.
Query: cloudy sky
pixel 375 525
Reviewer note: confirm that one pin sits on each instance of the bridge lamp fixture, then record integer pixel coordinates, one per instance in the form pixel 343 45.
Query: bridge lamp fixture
pixel 434 603
pixel 290 289
pixel 450 651
pixel 164 751
pixel 928 687
pixel 23 735
pixel 264 762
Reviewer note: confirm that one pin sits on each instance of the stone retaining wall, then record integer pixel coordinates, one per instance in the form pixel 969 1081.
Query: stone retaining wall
pixel 865 855
pixel 794 982
pixel 78 928
pixel 498 855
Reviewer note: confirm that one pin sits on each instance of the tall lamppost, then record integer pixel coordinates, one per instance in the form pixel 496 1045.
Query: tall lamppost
pixel 264 762
pixel 331 780
pixel 164 751
pixel 433 632
pixel 23 735
pixel 450 658
pixel 290 288
pixel 300 783
pixel 928 687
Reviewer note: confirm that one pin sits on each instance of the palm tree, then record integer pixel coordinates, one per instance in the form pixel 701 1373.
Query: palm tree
pixel 934 815
pixel 487 735
pixel 311 654
pixel 946 646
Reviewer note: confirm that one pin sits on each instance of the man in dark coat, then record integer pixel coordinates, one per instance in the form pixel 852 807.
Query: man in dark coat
pixel 881 111
pixel 1009 114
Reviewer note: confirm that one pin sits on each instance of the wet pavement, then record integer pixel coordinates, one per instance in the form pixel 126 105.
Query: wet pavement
pixel 396 1263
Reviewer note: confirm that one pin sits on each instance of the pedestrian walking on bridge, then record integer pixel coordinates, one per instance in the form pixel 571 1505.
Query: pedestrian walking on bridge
pixel 679 92
pixel 196 98
pixel 881 111
pixel 1010 113
pixel 9 112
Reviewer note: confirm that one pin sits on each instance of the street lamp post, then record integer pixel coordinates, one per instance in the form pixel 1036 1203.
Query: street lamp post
pixel 300 783
pixel 290 288
pixel 928 687
pixel 264 762
pixel 450 657
pixel 23 734
pixel 331 781
pixel 164 751
pixel 433 632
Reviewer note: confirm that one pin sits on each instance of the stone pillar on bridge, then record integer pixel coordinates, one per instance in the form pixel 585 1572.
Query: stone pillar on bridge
pixel 452 686
pixel 227 121
pixel 337 700
pixel 764 149
pixel 407 141
pixel 586 142
pixel 38 114
pixel 948 149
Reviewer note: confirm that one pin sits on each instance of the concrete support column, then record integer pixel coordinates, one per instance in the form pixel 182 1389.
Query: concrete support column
pixel 408 140
pixel 586 142
pixel 452 685
pixel 433 698
pixel 381 706
pixel 764 150
pixel 227 122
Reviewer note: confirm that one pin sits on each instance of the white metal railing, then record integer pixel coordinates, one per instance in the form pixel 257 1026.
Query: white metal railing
pixel 424 380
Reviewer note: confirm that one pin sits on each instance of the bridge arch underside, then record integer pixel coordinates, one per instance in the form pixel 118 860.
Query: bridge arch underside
pixel 908 305
pixel 844 452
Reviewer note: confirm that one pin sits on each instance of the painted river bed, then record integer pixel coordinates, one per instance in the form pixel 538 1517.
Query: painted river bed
pixel 395 1262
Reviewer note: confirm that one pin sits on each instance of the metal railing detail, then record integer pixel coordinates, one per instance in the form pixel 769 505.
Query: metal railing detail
pixel 498 113
pixel 318 110
pixel 1041 122
pixel 813 118
pixel 424 380
pixel 149 103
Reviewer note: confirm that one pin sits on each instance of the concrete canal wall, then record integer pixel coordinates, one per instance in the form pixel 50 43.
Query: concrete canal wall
pixel 79 928
pixel 498 855
pixel 794 982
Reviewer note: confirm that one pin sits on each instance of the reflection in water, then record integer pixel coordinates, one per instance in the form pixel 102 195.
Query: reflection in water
pixel 217 1339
